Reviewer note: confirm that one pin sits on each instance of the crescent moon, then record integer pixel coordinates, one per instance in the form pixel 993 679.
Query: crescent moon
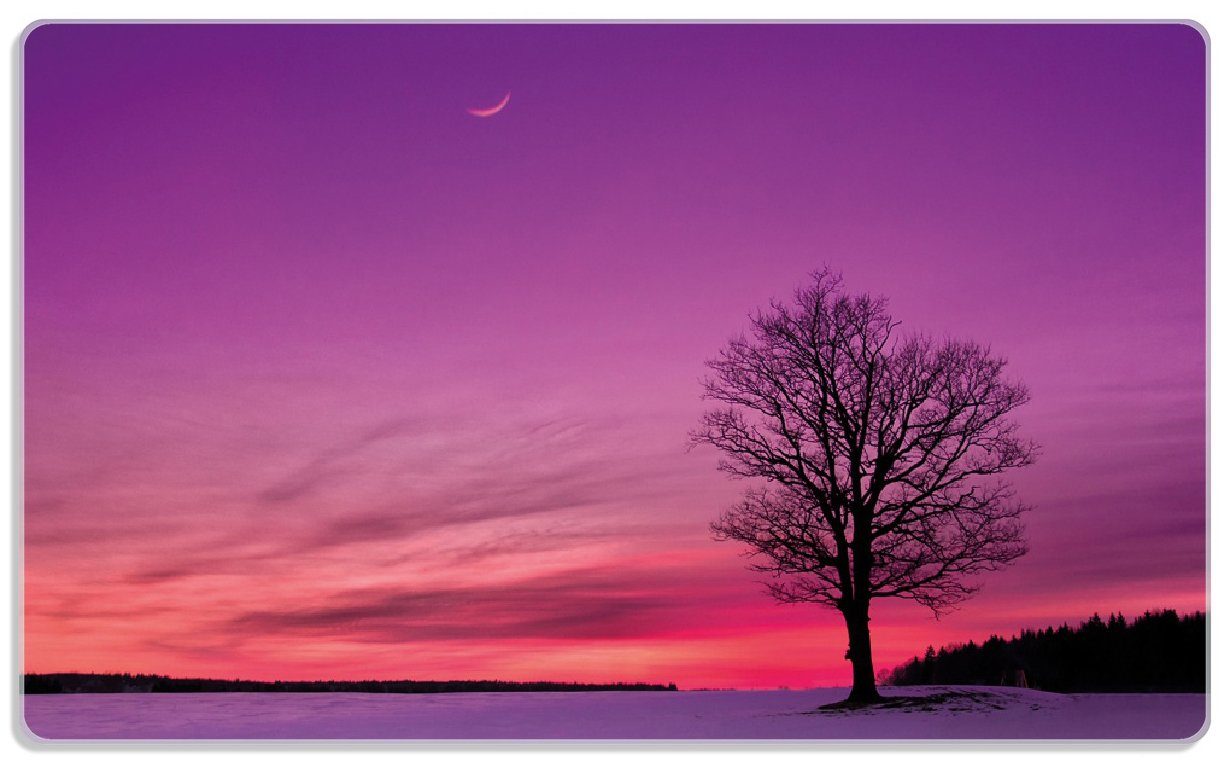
pixel 492 110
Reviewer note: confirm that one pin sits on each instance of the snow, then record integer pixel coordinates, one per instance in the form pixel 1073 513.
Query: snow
pixel 967 713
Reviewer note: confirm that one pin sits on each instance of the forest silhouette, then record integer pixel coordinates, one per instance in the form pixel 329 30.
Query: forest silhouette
pixel 1158 651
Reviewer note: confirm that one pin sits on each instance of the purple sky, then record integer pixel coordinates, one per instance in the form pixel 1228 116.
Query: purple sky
pixel 326 377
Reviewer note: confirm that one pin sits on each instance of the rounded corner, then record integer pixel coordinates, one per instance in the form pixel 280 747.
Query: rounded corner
pixel 31 28
pixel 1200 31
pixel 26 736
pixel 1199 733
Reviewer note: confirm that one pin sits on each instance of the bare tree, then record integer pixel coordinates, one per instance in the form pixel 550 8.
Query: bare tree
pixel 880 451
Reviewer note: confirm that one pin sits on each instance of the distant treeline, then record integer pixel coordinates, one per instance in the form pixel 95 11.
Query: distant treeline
pixel 102 683
pixel 1156 652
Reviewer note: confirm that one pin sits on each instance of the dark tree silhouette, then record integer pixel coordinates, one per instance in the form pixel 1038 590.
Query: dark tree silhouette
pixel 880 451
pixel 1158 651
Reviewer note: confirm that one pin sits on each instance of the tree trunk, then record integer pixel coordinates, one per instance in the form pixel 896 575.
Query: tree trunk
pixel 864 686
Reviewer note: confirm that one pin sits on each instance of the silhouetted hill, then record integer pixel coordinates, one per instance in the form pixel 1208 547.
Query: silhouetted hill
pixel 101 683
pixel 1156 652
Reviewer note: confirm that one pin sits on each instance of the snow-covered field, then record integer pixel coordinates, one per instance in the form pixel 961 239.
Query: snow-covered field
pixel 964 713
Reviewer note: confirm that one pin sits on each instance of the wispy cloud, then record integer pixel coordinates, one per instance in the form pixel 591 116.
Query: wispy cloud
pixel 482 487
pixel 599 602
pixel 326 464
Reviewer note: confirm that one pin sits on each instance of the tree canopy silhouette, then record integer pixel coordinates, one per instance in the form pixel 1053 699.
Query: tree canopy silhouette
pixel 880 451
pixel 1157 651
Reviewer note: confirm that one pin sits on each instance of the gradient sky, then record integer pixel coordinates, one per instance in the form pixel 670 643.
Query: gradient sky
pixel 326 378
